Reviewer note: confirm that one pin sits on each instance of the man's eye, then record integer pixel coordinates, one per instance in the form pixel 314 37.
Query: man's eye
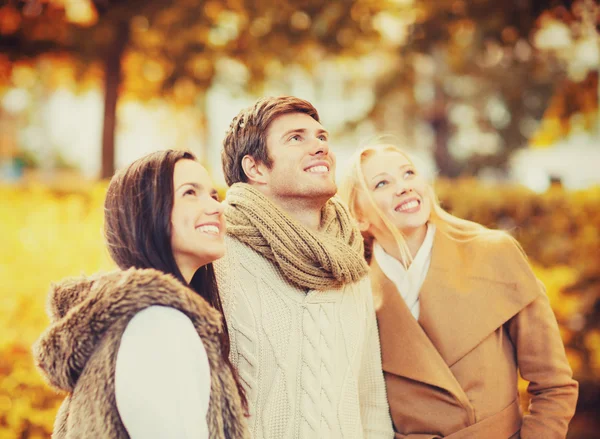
pixel 295 138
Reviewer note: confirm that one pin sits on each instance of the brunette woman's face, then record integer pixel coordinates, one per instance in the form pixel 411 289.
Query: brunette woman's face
pixel 197 223
pixel 398 190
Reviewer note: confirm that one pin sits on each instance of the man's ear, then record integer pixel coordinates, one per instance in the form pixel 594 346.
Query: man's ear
pixel 254 170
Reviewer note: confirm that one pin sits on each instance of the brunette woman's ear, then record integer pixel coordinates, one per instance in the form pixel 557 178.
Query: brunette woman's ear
pixel 254 170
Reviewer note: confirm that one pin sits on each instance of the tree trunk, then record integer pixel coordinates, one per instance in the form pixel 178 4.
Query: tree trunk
pixel 204 154
pixel 112 80
pixel 438 119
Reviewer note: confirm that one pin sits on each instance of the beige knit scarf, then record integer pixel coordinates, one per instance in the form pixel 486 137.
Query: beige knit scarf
pixel 323 259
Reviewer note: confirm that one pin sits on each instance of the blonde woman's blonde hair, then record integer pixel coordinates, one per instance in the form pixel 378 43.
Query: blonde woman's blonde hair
pixel 354 183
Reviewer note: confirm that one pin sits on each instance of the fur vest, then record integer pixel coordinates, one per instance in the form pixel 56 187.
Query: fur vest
pixel 77 353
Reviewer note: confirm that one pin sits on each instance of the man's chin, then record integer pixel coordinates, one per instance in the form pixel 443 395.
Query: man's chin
pixel 317 193
pixel 325 193
pixel 324 188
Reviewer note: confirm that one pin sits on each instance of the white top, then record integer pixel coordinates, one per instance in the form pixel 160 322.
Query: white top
pixel 310 361
pixel 408 282
pixel 162 376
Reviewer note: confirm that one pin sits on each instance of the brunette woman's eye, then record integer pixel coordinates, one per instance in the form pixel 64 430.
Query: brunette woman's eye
pixel 189 192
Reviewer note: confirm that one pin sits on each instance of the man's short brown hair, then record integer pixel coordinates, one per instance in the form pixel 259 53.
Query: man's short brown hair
pixel 247 133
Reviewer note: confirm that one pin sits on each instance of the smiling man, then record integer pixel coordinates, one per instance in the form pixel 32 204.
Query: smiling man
pixel 293 283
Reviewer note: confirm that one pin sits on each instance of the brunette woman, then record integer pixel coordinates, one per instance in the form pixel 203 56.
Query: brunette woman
pixel 142 352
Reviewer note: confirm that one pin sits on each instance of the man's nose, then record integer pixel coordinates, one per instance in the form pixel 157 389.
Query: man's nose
pixel 320 147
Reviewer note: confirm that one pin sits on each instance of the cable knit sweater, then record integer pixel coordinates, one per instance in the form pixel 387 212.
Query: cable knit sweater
pixel 310 361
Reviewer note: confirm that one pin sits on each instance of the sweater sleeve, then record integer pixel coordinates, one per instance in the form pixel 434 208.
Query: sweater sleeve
pixel 162 376
pixel 374 407
pixel 542 361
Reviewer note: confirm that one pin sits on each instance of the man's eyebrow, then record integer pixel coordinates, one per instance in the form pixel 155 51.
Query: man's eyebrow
pixel 294 130
pixel 303 131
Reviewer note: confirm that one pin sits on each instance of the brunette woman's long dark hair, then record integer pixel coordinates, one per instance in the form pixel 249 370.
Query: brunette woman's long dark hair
pixel 137 229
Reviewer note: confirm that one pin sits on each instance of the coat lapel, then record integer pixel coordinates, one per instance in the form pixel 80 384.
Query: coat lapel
pixel 472 288
pixel 405 348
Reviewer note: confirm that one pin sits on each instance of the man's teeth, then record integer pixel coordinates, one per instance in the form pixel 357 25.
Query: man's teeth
pixel 213 230
pixel 318 169
pixel 408 206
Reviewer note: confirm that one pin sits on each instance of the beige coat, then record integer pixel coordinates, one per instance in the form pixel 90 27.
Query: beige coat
pixel 483 317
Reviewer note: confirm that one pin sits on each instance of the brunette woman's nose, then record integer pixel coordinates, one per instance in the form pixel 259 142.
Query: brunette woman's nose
pixel 215 208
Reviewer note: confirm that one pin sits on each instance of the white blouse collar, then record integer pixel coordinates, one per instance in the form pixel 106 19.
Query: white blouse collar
pixel 407 281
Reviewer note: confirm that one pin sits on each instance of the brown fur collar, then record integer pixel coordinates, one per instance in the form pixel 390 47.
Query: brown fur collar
pixel 82 309
pixel 77 353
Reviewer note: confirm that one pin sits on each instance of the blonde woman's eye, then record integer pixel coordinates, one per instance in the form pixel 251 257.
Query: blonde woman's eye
pixel 381 184
pixel 409 173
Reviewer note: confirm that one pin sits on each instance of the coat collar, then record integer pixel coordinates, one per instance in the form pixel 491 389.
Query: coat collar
pixel 471 289
pixel 405 348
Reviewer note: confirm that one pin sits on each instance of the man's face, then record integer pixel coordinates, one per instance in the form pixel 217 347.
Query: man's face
pixel 302 168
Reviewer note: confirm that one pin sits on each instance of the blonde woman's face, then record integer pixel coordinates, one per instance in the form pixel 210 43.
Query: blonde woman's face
pixel 398 190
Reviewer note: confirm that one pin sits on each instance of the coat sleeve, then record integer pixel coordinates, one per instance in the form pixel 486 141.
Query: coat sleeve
pixel 374 408
pixel 162 376
pixel 542 361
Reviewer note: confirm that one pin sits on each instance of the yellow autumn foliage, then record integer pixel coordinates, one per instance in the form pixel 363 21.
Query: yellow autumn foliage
pixel 45 236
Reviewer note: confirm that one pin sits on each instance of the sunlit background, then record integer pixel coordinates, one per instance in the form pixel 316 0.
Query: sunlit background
pixel 499 99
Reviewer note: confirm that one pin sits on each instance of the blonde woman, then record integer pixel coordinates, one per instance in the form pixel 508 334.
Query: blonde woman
pixel 460 313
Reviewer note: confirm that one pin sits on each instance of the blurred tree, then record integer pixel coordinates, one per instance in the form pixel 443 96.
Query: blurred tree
pixel 467 68
pixel 471 71
pixel 174 47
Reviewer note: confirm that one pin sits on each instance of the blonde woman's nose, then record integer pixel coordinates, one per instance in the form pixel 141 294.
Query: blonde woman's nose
pixel 402 188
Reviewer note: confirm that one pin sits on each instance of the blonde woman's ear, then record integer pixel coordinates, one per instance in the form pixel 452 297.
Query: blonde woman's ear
pixel 363 225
